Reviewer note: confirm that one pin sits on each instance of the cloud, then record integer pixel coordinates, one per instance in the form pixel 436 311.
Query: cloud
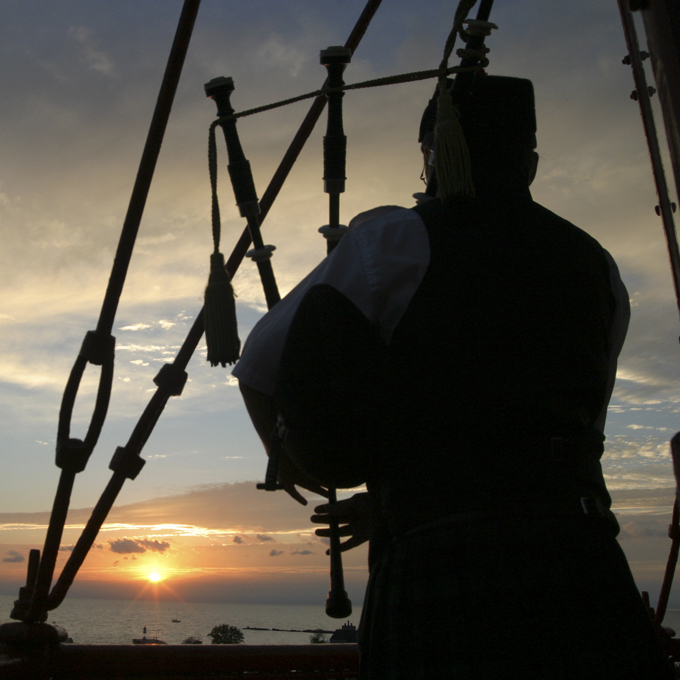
pixel 136 327
pixel 278 51
pixel 67 548
pixel 96 59
pixel 238 539
pixel 630 501
pixel 236 510
pixel 644 516
pixel 126 545
pixel 645 528
pixel 134 545
pixel 154 545
pixel 13 556
pixel 637 461
pixel 303 552
pixel 275 553
pixel 228 507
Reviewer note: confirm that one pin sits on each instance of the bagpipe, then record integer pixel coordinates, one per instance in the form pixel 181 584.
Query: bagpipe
pixel 308 388
pixel 335 59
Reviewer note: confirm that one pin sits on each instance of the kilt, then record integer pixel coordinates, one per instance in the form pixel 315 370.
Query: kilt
pixel 488 598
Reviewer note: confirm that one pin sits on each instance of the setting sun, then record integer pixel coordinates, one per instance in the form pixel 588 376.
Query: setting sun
pixel 155 577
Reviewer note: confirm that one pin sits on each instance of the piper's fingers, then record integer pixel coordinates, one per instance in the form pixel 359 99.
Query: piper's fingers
pixel 345 530
pixel 320 519
pixel 326 519
pixel 318 489
pixel 295 494
pixel 312 486
pixel 335 509
pixel 349 544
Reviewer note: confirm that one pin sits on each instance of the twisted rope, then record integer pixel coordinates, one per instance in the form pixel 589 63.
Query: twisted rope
pixel 212 168
pixel 376 82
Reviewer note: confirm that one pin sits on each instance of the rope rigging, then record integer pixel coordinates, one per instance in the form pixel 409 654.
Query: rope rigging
pixel 35 598
pixel 98 346
pixel 665 210
pixel 411 77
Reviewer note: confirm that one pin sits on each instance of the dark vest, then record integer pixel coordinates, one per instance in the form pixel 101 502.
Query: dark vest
pixel 499 366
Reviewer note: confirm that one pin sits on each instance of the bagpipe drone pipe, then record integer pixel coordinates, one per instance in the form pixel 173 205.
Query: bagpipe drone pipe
pixel 335 59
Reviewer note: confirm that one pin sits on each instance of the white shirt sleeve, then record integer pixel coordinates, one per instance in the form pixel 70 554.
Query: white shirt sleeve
pixel 386 250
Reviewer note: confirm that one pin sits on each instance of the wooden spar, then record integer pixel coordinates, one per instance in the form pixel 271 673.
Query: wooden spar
pixel 662 25
pixel 170 380
pixel 642 94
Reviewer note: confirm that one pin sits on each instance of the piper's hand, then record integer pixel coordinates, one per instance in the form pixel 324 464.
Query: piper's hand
pixel 355 516
pixel 290 477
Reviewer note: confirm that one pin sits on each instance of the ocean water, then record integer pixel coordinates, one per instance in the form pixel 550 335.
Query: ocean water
pixel 116 622
pixel 672 620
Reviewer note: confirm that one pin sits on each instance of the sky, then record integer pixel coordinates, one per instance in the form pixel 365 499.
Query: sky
pixel 78 84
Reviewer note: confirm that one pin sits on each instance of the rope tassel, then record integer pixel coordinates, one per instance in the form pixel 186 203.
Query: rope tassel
pixel 451 156
pixel 451 153
pixel 221 331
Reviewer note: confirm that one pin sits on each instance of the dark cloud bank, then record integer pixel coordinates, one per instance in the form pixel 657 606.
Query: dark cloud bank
pixel 135 545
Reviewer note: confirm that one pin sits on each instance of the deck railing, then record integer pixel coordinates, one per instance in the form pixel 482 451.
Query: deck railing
pixel 185 662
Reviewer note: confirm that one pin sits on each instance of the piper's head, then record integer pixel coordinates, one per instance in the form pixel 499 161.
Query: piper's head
pixel 498 118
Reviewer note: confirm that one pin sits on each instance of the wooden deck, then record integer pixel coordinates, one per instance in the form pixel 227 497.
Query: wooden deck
pixel 184 662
